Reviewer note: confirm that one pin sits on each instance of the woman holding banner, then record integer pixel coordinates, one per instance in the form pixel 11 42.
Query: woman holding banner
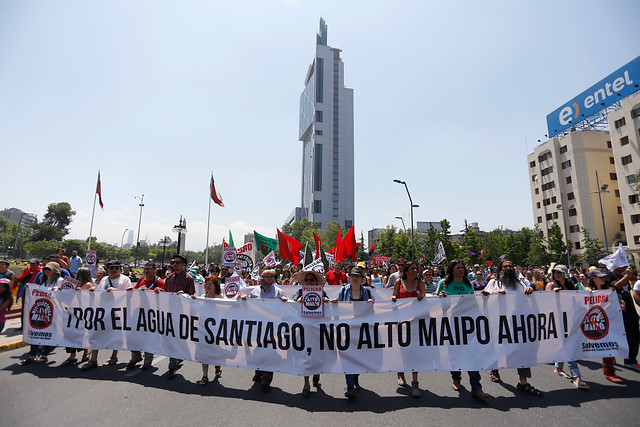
pixel 211 290
pixel 354 291
pixel 409 285
pixel 456 282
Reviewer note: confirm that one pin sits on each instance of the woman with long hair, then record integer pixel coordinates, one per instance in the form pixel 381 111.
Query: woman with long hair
pixel 409 285
pixel 456 282
pixel 211 290
pixel 83 276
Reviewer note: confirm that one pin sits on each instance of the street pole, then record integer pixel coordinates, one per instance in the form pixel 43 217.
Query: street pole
pixel 139 222
pixel 602 189
pixel 403 226
pixel 413 243
pixel 566 236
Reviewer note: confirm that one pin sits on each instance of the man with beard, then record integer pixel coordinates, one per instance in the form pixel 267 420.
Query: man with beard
pixel 507 281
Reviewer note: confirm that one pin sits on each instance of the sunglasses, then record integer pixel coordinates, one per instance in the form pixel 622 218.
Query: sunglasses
pixel 113 267
pixel 310 279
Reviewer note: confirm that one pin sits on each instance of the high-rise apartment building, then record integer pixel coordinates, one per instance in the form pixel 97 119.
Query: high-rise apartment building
pixel 326 132
pixel 624 126
pixel 564 188
pixel 19 217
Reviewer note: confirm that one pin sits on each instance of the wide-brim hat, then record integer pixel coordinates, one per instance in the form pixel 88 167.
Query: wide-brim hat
pixel 300 275
pixel 53 266
pixel 357 271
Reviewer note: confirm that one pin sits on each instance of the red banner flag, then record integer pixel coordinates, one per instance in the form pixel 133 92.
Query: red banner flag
pixel 289 248
pixel 99 192
pixel 349 246
pixel 215 195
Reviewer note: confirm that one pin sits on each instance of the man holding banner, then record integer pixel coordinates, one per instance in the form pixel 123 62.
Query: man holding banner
pixel 266 290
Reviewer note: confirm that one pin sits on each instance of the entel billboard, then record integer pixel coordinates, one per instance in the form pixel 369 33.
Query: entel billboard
pixel 617 85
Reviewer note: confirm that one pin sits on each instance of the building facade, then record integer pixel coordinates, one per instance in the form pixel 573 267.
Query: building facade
pixel 565 189
pixel 19 217
pixel 327 135
pixel 624 127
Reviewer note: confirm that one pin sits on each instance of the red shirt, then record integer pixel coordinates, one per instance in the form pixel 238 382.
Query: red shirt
pixel 336 279
pixel 159 283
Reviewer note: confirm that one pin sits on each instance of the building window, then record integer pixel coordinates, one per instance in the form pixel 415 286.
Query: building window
pixel 546 202
pixel 553 199
pixel 635 219
pixel 563 149
pixel 624 140
pixel 546 171
pixel 633 199
pixel 613 176
pixel 555 215
pixel 318 132
pixel 566 164
pixel 570 196
pixel 537 191
pixel 608 144
pixel 619 123
pixel 539 220
pixel 317 168
pixel 545 156
pixel 534 177
pixel 577 244
pixel 574 229
pixel 548 186
pixel 612 160
pixel 636 240
pixel 319 116
pixel 532 164
pixel 568 180
pixel 620 207
pixel 622 226
pixel 626 160
pixel 617 193
pixel 317 206
pixel 635 113
pixel 549 217
pixel 631 179
pixel 537 205
pixel 573 212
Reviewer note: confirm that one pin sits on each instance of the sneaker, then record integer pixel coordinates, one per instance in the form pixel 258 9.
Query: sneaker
pixel 350 393
pixel 479 394
pixel 614 378
pixel 401 381
pixel 634 366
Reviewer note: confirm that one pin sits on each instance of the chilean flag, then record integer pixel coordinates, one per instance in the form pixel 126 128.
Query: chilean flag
pixel 99 192
pixel 215 196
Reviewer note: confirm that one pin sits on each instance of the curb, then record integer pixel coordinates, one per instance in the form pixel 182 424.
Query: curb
pixel 12 345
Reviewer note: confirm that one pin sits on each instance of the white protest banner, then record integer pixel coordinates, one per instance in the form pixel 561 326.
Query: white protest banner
pixel 90 258
pixel 312 302
pixel 316 266
pixel 381 260
pixel 229 256
pixel 232 286
pixel 440 255
pixel 330 260
pixel 246 255
pixel 69 283
pixel 459 332
pixel 255 273
pixel 270 260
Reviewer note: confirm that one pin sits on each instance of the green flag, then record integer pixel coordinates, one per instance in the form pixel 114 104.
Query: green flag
pixel 308 257
pixel 265 244
pixel 231 245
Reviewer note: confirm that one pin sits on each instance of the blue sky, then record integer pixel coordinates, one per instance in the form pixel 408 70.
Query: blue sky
pixel 449 97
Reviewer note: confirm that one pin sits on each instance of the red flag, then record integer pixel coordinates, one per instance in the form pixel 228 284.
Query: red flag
pixel 289 248
pixel 215 195
pixel 318 245
pixel 349 246
pixel 481 251
pixel 336 250
pixel 371 249
pixel 99 192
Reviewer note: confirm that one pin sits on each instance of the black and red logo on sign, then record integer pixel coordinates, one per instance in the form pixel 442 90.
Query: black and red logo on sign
pixel 41 314
pixel 312 301
pixel 595 324
pixel 231 290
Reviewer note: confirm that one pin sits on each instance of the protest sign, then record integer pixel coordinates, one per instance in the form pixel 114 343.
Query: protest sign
pixel 90 258
pixel 229 257
pixel 69 283
pixel 312 303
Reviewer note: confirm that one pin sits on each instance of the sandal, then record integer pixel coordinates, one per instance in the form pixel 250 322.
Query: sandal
pixel 562 373
pixel 27 361
pixel 582 385
pixel 69 361
pixel 41 359
pixel 110 361
pixel 203 381
pixel 89 365
pixel 528 388
pixel 85 356
pixel 495 376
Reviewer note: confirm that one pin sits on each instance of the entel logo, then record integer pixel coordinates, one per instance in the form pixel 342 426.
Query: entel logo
pixel 565 115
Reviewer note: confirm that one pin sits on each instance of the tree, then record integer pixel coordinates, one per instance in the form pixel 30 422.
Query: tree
pixel 386 241
pixel 59 215
pixel 537 254
pixel 517 246
pixel 593 249
pixel 494 246
pixel 428 246
pixel 450 248
pixel 363 254
pixel 472 243
pixel 557 245
pixel 41 231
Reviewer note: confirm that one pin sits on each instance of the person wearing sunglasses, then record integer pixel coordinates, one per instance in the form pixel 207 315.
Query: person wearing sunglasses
pixel 309 278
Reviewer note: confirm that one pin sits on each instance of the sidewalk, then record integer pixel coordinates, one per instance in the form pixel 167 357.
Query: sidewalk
pixel 11 336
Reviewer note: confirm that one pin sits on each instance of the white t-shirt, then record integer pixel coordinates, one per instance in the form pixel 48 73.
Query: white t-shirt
pixel 122 282
pixel 636 287
pixel 497 285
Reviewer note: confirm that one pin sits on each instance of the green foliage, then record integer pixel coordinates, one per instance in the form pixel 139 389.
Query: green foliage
pixel 557 245
pixel 494 246
pixel 593 249
pixel 471 243
pixel 43 248
pixel 426 248
pixel 452 249
pixel 59 215
pixel 386 242
pixel 43 231
pixel 537 254
pixel 10 234
pixel 363 254
pixel 517 245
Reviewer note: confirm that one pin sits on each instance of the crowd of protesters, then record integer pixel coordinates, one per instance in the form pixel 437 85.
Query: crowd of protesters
pixel 406 279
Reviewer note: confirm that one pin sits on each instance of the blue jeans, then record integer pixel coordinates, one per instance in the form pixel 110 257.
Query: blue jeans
pixel 46 350
pixel 573 368
pixel 474 378
pixel 173 363
pixel 351 380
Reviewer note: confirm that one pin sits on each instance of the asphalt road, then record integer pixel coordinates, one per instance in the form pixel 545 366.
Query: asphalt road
pixel 52 395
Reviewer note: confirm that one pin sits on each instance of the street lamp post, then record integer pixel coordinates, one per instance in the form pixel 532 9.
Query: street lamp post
pixel 164 243
pixel 180 229
pixel 413 243
pixel 403 226
pixel 139 222
pixel 122 238
pixel 602 189
pixel 566 236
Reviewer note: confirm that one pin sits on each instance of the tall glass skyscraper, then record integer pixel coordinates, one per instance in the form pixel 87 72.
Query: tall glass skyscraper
pixel 326 132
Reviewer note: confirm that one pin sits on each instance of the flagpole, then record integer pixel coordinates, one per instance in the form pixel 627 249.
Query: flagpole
pixel 93 212
pixel 206 251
